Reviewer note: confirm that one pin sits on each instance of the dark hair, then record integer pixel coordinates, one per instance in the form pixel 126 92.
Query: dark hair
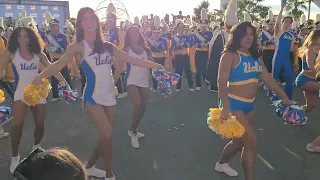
pixel 52 165
pixel 141 41
pixel 99 45
pixel 35 45
pixel 287 17
pixel 236 34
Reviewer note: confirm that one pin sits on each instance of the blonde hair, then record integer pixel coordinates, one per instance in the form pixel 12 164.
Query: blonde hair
pixel 311 38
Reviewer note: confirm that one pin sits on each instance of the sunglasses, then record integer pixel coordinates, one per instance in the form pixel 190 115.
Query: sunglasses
pixel 19 172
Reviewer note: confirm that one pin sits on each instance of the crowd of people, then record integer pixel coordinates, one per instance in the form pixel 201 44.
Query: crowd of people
pixel 231 57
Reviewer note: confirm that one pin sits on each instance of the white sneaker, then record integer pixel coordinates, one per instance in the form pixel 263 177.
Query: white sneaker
pixel 95 172
pixel 14 163
pixel 55 100
pixel 312 148
pixel 112 178
pixel 177 90
pixel 122 95
pixel 154 90
pixel 198 88
pixel 134 141
pixel 211 90
pixel 2 133
pixel 294 102
pixel 225 168
pixel 38 146
pixel 191 89
pixel 140 135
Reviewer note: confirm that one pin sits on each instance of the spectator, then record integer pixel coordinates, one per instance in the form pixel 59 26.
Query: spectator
pixel 55 164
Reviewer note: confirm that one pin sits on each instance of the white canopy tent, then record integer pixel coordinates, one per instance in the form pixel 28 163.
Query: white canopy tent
pixel 316 2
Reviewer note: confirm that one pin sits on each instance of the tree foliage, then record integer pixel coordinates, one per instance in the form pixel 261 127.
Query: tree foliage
pixel 255 8
pixel 197 10
pixel 296 8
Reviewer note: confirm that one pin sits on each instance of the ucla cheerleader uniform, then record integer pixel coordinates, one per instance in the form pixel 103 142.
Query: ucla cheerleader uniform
pixel 99 87
pixel 180 45
pixel 303 78
pixel 136 75
pixel 24 72
pixel 247 71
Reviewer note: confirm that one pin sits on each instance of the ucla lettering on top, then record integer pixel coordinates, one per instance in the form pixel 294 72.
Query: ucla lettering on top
pixel 26 67
pixel 248 68
pixel 289 37
pixel 102 61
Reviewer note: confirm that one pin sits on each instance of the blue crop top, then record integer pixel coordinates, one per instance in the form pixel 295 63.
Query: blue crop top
pixel 247 71
pixel 305 66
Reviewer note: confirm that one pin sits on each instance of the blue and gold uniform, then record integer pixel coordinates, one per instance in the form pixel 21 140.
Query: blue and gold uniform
pixel 201 40
pixel 180 46
pixel 303 77
pixel 113 36
pixel 281 60
pixel 57 45
pixel 158 48
pixel 247 71
pixel 268 46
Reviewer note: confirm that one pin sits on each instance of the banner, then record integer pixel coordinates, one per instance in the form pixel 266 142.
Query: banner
pixel 36 11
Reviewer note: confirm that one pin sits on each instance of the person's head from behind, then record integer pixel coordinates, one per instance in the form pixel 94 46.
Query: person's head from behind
pixel 243 36
pixel 287 23
pixel 24 37
pixel 55 164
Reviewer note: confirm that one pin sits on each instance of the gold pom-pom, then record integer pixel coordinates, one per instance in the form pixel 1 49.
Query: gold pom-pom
pixel 229 128
pixel 34 93
pixel 45 88
pixel 317 68
pixel 31 95
pixel 2 98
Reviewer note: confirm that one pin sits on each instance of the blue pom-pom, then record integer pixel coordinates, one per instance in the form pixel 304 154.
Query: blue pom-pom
pixel 69 95
pixel 295 115
pixel 5 113
pixel 165 81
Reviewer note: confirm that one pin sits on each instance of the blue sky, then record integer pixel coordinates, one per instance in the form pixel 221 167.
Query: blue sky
pixel 162 7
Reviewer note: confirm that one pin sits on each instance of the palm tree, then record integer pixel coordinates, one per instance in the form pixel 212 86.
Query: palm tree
pixel 197 10
pixel 218 14
pixel 296 8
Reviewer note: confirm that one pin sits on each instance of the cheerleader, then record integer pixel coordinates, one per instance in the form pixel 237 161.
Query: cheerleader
pixel 180 45
pixel 307 80
pixel 24 52
pixel 95 57
pixel 239 72
pixel 137 80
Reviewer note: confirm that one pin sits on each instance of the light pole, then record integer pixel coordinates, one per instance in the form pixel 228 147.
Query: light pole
pixel 309 7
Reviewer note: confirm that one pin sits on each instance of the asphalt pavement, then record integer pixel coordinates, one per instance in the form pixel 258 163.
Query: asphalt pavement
pixel 178 144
